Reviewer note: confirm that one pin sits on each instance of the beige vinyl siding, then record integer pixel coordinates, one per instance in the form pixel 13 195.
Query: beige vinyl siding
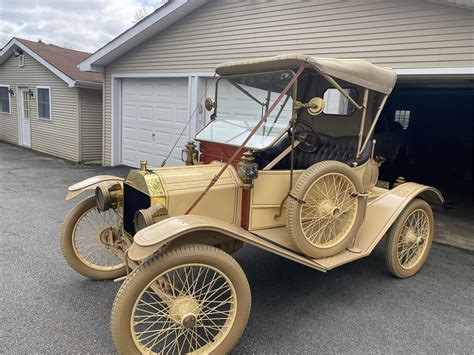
pixel 399 34
pixel 91 124
pixel 57 137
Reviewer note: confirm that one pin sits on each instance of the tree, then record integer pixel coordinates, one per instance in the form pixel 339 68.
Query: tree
pixel 141 13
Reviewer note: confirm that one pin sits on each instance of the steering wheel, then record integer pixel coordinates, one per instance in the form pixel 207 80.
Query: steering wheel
pixel 306 134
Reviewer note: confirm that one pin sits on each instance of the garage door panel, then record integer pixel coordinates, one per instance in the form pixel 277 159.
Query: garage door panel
pixel 154 112
pixel 145 90
pixel 144 137
pixel 164 115
pixel 129 111
pixel 181 115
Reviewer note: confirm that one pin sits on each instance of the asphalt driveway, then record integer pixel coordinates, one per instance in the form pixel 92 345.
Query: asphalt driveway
pixel 358 308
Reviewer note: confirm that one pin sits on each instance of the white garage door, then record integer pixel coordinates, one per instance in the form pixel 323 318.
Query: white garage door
pixel 154 111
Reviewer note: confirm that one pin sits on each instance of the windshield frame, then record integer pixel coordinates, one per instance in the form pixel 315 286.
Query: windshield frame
pixel 214 117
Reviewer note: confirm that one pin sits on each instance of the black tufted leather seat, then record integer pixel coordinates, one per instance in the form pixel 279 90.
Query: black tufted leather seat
pixel 342 149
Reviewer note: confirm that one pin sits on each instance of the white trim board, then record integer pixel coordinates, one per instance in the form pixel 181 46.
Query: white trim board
pixel 435 71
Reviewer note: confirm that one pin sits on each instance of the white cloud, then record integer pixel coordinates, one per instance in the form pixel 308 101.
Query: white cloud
pixel 78 24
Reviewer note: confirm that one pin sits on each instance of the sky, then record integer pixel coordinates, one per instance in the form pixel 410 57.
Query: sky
pixel 84 25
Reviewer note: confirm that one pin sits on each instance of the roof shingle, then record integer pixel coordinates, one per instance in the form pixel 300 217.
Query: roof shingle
pixel 63 59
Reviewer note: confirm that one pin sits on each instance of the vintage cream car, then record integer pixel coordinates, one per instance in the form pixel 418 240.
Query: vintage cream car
pixel 286 164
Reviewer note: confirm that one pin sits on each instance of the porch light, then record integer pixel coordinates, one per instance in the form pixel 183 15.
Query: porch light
pixel 247 170
pixel 31 93
pixel 11 92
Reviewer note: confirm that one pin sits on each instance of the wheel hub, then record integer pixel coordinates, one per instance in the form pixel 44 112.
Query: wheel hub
pixel 411 237
pixel 420 241
pixel 328 209
pixel 184 311
pixel 189 320
pixel 108 236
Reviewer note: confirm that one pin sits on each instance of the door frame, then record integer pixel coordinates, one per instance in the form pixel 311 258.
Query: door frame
pixel 195 91
pixel 19 90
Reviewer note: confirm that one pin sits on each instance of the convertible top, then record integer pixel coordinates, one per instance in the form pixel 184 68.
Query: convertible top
pixel 357 71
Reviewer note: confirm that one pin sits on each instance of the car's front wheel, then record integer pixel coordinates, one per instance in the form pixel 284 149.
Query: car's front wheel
pixel 191 299
pixel 83 241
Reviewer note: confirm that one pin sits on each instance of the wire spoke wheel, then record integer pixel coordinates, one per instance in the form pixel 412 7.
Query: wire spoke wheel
pixel 329 211
pixel 325 211
pixel 409 239
pixel 186 309
pixel 193 299
pixel 413 237
pixel 86 240
pixel 87 243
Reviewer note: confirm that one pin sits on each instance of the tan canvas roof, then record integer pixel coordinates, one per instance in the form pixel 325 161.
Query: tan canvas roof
pixel 357 71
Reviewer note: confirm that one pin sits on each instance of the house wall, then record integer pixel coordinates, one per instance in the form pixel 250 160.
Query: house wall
pixel 91 124
pixel 59 136
pixel 397 33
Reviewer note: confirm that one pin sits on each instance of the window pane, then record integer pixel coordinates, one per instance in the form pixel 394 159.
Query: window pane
pixel 4 100
pixel 337 104
pixel 403 118
pixel 43 110
pixel 43 104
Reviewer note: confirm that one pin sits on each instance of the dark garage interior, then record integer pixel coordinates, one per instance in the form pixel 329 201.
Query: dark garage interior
pixel 425 134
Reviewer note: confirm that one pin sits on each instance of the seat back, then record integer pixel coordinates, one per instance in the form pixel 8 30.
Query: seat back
pixel 341 149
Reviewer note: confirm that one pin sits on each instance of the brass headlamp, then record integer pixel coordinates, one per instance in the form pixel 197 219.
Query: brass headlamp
pixel 108 195
pixel 247 170
pixel 151 215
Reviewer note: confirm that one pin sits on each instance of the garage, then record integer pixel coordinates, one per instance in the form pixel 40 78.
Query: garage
pixel 154 112
pixel 433 128
pixel 426 134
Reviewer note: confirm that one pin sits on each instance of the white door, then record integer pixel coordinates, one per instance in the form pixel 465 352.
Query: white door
pixel 24 117
pixel 154 112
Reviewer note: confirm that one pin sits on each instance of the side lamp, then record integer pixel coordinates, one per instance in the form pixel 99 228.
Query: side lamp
pixel 247 170
pixel 189 155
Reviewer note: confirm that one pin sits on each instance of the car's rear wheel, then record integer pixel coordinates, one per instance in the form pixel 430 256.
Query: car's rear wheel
pixel 324 209
pixel 82 241
pixel 191 299
pixel 409 239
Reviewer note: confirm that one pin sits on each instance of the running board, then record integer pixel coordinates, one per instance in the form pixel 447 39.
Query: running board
pixel 279 238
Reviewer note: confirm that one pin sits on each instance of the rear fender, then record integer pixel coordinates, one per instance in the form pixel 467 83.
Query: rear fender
pixel 90 184
pixel 382 212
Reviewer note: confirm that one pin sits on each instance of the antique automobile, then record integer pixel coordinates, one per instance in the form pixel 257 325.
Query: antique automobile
pixel 286 163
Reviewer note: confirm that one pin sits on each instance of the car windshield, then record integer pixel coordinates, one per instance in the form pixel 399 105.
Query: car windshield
pixel 241 103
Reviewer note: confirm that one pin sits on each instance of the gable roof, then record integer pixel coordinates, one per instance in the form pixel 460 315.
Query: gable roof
pixel 157 21
pixel 164 17
pixel 61 61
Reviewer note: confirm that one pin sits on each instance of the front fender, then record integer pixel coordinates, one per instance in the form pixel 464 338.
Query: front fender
pixel 149 240
pixel 90 184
